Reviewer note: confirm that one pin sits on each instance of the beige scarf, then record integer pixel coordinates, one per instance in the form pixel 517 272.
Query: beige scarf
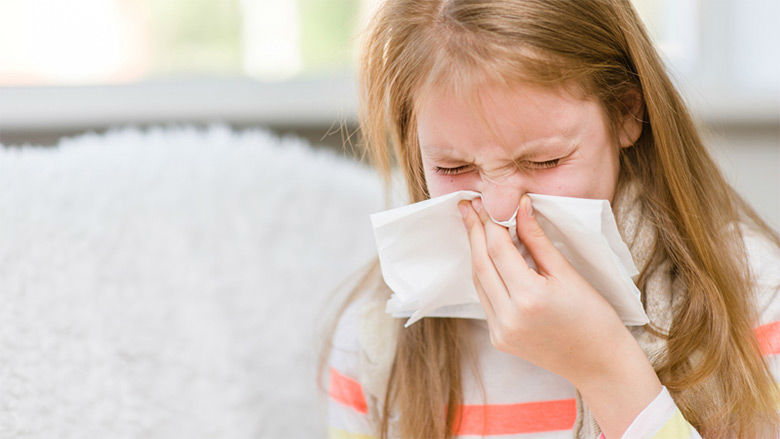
pixel 661 295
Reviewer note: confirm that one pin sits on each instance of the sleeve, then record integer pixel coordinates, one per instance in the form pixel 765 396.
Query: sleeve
pixel 348 416
pixel 662 419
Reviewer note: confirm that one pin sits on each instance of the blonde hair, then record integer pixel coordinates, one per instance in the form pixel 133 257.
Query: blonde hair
pixel 602 46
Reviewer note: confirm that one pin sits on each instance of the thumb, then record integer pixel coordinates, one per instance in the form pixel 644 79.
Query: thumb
pixel 547 257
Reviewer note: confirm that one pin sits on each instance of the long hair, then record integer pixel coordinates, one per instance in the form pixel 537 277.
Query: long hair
pixel 603 47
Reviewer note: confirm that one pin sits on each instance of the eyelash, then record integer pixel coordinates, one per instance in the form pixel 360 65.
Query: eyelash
pixel 536 165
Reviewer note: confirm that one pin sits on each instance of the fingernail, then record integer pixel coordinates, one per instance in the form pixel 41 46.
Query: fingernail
pixel 462 208
pixel 527 208
pixel 477 203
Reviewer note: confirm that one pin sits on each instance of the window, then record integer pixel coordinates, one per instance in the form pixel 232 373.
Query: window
pixel 246 59
pixel 82 42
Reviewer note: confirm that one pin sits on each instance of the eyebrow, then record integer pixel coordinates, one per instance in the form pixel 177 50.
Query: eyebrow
pixel 439 154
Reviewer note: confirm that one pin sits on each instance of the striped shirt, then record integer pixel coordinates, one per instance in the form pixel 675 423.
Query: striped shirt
pixel 522 400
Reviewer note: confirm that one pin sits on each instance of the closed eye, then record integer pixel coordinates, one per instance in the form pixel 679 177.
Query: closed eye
pixel 547 164
pixel 448 171
pixel 459 169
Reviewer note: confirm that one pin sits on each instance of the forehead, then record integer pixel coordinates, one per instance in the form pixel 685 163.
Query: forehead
pixel 510 116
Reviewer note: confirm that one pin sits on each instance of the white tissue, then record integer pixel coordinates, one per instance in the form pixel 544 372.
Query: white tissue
pixel 425 255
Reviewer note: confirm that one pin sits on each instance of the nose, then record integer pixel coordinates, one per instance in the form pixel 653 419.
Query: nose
pixel 500 200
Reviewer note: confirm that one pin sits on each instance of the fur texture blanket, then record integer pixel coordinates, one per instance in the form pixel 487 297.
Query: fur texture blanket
pixel 167 283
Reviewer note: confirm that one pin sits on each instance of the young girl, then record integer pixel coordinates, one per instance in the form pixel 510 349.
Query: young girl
pixel 565 98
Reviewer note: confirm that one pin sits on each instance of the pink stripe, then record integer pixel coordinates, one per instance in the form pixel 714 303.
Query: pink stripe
pixel 347 391
pixel 529 417
pixel 769 338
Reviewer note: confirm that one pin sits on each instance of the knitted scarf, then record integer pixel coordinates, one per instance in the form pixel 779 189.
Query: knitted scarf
pixel 662 294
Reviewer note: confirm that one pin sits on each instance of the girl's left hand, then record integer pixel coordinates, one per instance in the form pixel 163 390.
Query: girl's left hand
pixel 553 318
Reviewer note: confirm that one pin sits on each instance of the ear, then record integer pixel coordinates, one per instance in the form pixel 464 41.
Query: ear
pixel 631 119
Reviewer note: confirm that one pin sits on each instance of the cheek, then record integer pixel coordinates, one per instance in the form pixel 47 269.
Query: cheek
pixel 563 181
pixel 444 184
pixel 585 180
pixel 571 181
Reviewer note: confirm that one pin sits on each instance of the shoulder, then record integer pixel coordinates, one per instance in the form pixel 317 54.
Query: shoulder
pixel 364 334
pixel 763 258
pixel 346 337
pixel 358 290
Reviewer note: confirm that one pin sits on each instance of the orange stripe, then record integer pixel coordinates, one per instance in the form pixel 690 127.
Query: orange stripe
pixel 529 417
pixel 347 391
pixel 769 338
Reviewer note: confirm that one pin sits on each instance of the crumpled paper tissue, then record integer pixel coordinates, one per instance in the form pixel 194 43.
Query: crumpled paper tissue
pixel 425 255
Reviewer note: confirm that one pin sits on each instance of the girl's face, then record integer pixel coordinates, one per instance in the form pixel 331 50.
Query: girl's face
pixel 563 145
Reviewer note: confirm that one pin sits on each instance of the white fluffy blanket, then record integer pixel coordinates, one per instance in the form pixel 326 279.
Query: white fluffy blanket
pixel 168 283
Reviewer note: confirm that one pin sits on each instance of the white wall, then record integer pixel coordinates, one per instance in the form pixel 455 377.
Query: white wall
pixel 750 158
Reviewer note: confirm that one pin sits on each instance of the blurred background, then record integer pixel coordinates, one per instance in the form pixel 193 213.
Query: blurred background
pixel 67 67
pixel 158 280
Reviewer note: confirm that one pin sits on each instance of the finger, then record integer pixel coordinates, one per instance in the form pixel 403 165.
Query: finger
pixel 483 299
pixel 481 265
pixel 510 265
pixel 548 258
